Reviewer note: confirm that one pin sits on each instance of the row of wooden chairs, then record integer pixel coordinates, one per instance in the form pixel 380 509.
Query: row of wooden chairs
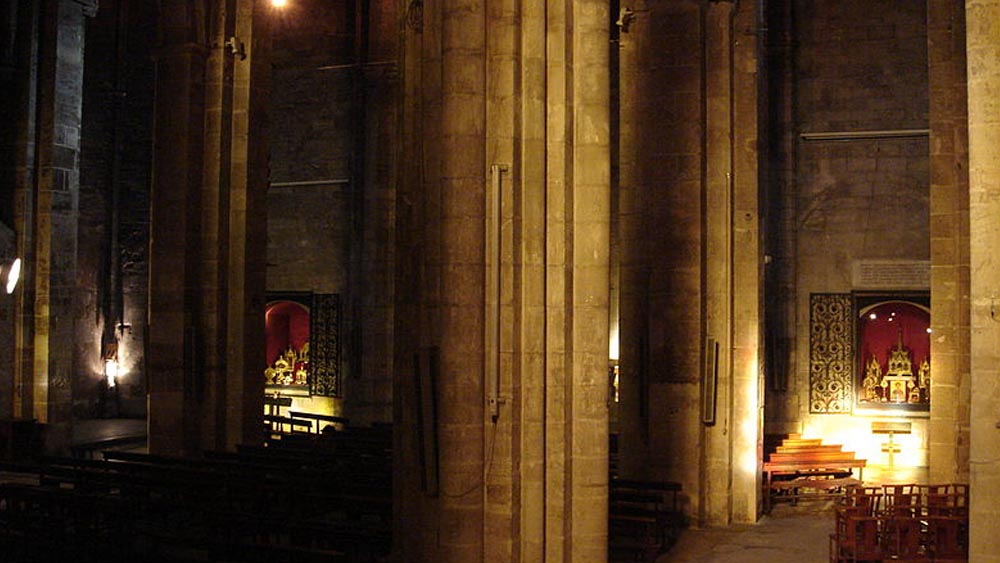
pixel 902 523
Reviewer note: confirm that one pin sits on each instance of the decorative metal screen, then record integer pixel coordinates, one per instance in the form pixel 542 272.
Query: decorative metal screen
pixel 831 353
pixel 324 356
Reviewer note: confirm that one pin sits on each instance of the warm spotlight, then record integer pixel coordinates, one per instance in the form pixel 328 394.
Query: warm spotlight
pixel 111 371
pixel 279 3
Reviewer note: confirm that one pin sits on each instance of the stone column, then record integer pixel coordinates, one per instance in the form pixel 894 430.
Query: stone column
pixel 18 73
pixel 527 285
pixel 691 258
pixel 457 262
pixel 55 217
pixel 747 266
pixel 983 43
pixel 504 270
pixel 577 242
pixel 732 261
pixel 381 146
pixel 717 277
pixel 661 230
pixel 949 238
pixel 501 344
pixel 233 225
pixel 179 114
pixel 208 228
pixel 246 229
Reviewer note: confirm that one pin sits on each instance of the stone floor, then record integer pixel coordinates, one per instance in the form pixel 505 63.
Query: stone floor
pixel 790 534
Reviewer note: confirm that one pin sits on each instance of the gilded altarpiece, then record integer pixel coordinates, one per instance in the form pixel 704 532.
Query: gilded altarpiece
pixel 893 344
pixel 302 331
pixel 831 353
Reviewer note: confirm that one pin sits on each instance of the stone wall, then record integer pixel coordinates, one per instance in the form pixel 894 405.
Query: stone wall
pixel 858 99
pixel 332 189
pixel 114 206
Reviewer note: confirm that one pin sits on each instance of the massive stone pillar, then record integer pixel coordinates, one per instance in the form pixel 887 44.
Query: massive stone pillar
pixel 205 355
pixel 661 231
pixel 370 394
pixel 47 213
pixel 502 284
pixel 949 236
pixel 983 43
pixel 747 267
pixel 234 226
pixel 691 257
pixel 177 170
pixel 18 73
pixel 732 260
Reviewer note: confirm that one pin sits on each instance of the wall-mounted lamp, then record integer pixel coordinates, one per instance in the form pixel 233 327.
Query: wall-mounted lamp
pixel 625 17
pixel 10 273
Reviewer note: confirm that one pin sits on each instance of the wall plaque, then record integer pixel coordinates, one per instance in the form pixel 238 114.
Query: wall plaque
pixel 892 274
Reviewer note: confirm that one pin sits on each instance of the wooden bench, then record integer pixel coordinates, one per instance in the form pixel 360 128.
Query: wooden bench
pixel 806 468
pixel 277 423
pixel 275 404
pixel 644 518
pixel 820 448
pixel 318 418
pixel 292 507
pixel 87 450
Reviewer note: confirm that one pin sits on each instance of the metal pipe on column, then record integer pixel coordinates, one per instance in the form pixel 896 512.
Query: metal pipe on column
pixel 494 257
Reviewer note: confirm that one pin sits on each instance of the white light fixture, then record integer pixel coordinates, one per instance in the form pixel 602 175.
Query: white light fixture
pixel 13 274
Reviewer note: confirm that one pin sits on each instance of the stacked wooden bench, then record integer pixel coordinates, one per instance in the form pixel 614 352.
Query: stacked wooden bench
pixel 644 518
pixel 807 468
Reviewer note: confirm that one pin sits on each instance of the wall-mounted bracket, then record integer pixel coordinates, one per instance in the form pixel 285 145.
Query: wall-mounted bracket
pixel 236 47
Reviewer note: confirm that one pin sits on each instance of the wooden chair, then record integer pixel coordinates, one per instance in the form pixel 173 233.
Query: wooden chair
pixel 867 498
pixel 902 500
pixel 857 537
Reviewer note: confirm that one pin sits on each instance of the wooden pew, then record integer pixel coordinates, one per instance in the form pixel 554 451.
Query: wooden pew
pixel 318 418
pixel 89 449
pixel 212 509
pixel 277 423
pixel 275 404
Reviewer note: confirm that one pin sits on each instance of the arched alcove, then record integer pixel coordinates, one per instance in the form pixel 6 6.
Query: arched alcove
pixel 286 332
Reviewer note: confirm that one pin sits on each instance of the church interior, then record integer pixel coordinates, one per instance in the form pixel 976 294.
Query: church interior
pixel 493 280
